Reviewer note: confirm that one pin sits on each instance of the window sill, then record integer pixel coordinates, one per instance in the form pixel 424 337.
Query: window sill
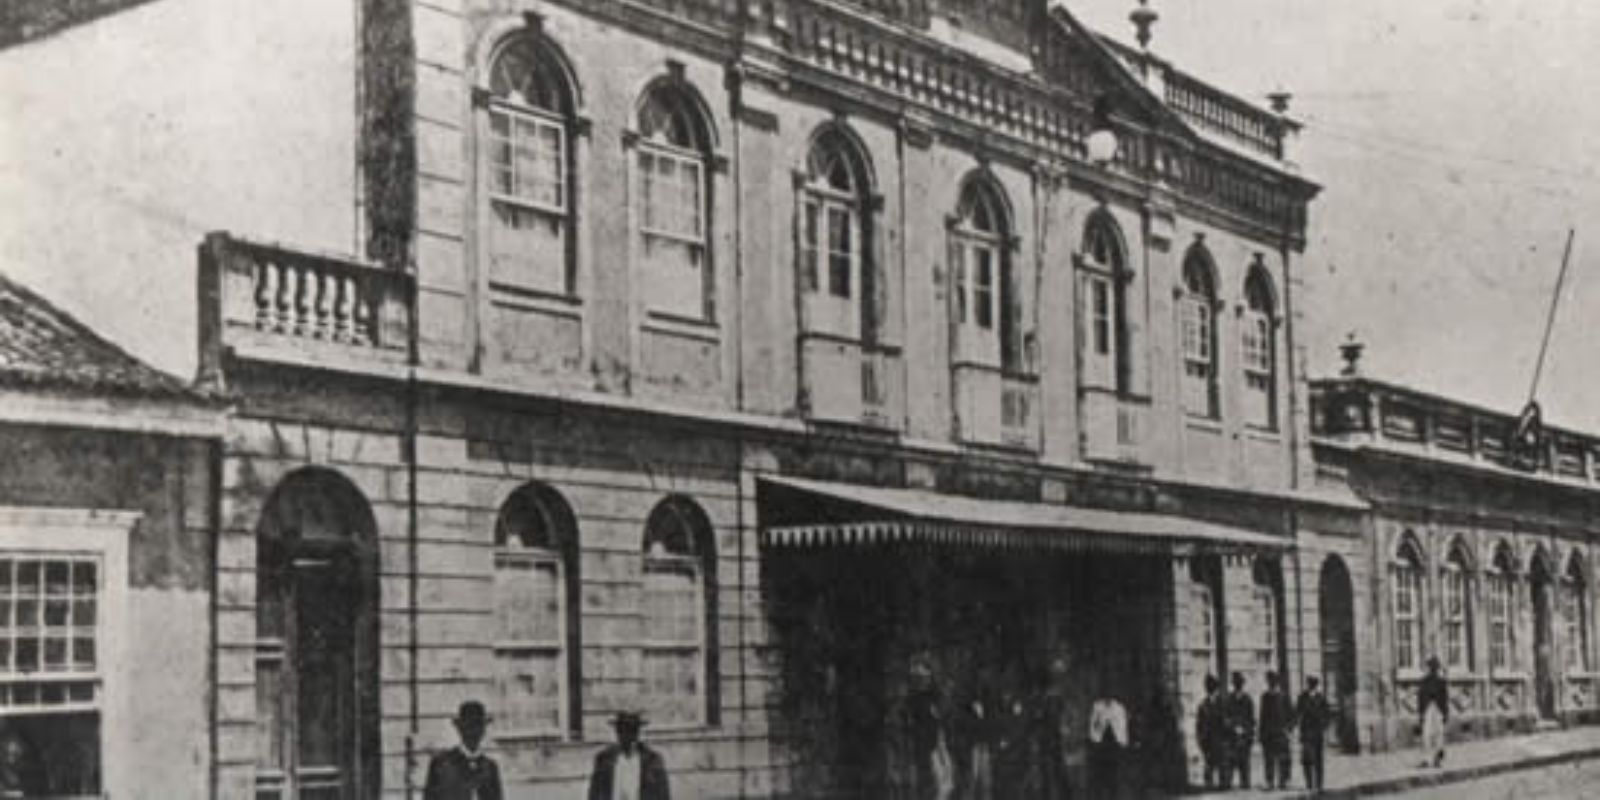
pixel 1200 422
pixel 1514 676
pixel 1583 675
pixel 1408 675
pixel 529 299
pixel 686 327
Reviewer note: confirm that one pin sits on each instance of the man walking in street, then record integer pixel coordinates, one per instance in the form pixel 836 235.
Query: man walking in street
pixel 1433 701
pixel 464 772
pixel 629 770
pixel 1312 715
pixel 1275 721
pixel 1241 717
pixel 1211 730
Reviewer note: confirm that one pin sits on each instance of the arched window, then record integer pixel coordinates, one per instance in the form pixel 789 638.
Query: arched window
pixel 1502 607
pixel 536 613
pixel 1259 351
pixel 1104 277
pixel 985 287
pixel 1198 330
pixel 674 209
pixel 1406 582
pixel 1575 615
pixel 1458 611
pixel 1209 645
pixel 835 237
pixel 528 169
pixel 680 602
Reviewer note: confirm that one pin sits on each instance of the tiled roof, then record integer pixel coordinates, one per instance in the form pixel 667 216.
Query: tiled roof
pixel 44 347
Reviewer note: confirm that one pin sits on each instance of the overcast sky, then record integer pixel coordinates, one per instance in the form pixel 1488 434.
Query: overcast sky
pixel 1456 141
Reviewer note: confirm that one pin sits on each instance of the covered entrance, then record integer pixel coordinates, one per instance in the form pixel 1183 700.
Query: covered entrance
pixel 316 642
pixel 1016 616
pixel 1337 622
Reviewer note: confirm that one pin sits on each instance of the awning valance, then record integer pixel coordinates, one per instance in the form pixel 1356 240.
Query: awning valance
pixel 916 516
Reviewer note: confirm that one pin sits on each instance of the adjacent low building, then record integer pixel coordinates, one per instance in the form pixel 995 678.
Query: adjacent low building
pixel 1478 550
pixel 107 562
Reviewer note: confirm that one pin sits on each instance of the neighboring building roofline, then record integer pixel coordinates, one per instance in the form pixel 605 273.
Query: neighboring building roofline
pixel 1437 399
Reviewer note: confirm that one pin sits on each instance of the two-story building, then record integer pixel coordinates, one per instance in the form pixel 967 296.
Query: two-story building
pixel 1478 551
pixel 726 361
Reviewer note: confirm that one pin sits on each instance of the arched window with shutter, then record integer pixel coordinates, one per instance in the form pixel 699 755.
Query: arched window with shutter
pixel 1197 329
pixel 673 211
pixel 536 611
pixel 680 616
pixel 529 168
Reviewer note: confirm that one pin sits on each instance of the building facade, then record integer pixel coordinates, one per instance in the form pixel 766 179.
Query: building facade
pixel 1478 550
pixel 732 362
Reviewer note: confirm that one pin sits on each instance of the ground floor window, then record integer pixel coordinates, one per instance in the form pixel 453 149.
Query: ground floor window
pixel 61 574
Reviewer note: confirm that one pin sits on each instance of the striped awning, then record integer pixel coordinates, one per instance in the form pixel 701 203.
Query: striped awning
pixel 914 516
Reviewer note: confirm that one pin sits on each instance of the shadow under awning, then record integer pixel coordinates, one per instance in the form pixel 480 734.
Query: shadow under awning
pixel 854 515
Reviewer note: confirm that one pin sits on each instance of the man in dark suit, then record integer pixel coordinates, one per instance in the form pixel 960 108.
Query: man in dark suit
pixel 464 772
pixel 629 770
pixel 1275 723
pixel 1312 715
pixel 1241 717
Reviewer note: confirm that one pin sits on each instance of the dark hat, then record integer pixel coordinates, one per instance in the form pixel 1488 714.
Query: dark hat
pixel 1433 661
pixel 472 711
pixel 1212 682
pixel 1238 678
pixel 1312 680
pixel 626 719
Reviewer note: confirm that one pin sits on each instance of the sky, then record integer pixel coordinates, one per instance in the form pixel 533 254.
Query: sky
pixel 1455 141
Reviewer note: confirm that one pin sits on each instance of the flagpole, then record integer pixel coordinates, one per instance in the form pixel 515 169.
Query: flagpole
pixel 1550 319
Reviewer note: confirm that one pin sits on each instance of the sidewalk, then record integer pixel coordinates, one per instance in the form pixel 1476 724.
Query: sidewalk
pixel 1399 770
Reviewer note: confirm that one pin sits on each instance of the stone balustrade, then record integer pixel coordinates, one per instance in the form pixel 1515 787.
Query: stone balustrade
pixel 254 293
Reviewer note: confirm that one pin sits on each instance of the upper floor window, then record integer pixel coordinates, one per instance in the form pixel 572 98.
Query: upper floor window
pixel 1457 581
pixel 985 287
pixel 529 169
pixel 1502 606
pixel 536 614
pixel 1575 616
pixel 1408 602
pixel 835 236
pixel 680 602
pixel 1103 299
pixel 1197 330
pixel 673 213
pixel 1259 351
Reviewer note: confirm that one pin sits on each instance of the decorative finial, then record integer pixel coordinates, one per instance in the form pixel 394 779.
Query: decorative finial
pixel 1350 351
pixel 1143 18
pixel 1280 101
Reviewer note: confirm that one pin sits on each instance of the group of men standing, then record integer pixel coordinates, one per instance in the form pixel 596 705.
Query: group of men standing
pixel 1228 726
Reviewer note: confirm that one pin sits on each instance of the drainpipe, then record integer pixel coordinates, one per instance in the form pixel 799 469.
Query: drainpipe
pixel 733 82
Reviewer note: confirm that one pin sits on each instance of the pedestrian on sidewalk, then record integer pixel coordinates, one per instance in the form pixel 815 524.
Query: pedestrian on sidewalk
pixel 464 772
pixel 1212 730
pixel 1241 718
pixel 1275 721
pixel 1312 716
pixel 629 769
pixel 1433 702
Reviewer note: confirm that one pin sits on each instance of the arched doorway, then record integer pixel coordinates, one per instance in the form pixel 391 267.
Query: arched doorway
pixel 316 641
pixel 1541 582
pixel 1337 618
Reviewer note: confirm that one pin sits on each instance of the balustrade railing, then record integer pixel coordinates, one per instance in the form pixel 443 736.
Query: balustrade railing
pixel 257 292
pixel 1256 129
pixel 1113 426
pixel 1019 411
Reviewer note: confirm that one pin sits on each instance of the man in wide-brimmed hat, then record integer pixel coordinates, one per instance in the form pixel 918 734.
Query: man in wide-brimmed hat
pixel 464 772
pixel 629 770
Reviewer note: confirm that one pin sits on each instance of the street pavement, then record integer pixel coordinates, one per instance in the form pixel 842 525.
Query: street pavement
pixel 1570 781
pixel 1530 762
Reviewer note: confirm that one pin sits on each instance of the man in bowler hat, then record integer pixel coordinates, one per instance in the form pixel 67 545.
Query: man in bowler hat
pixel 628 770
pixel 464 772
pixel 1312 714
